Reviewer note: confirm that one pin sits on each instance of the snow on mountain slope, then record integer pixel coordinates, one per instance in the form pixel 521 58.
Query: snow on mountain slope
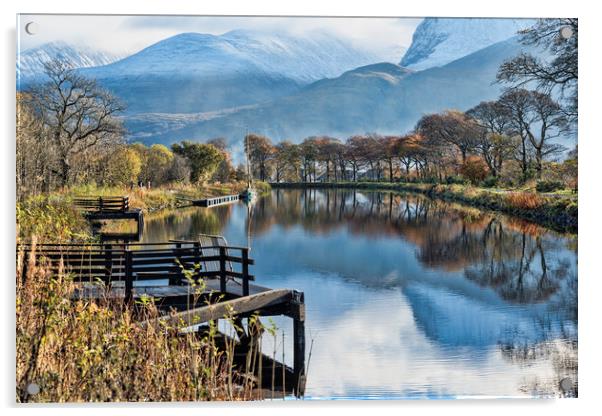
pixel 438 41
pixel 30 62
pixel 303 59
pixel 194 72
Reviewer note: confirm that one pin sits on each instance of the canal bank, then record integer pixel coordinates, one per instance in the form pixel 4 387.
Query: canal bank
pixel 557 213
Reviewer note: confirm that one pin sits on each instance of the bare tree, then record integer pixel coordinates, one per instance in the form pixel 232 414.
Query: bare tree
pixel 558 71
pixel 552 123
pixel 77 113
pixel 494 144
pixel 531 111
pixel 451 127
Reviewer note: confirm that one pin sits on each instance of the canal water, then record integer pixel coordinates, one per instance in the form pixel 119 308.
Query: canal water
pixel 408 297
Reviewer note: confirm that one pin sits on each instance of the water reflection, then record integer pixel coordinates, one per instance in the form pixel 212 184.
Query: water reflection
pixel 410 297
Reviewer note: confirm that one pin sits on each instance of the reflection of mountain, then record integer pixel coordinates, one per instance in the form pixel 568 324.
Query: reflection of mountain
pixel 451 318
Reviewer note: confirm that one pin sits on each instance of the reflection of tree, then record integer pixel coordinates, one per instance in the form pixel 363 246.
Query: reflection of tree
pixel 563 356
pixel 518 260
pixel 185 223
pixel 516 265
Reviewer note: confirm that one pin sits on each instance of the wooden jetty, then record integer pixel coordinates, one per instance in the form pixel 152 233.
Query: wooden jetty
pixel 192 282
pixel 106 208
pixel 215 201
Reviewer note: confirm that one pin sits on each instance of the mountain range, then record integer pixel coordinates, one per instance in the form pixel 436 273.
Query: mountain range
pixel 193 72
pixel 198 86
pixel 384 98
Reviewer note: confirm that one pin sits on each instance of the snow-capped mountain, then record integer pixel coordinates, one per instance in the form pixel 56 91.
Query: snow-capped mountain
pixel 438 41
pixel 193 72
pixel 303 59
pixel 30 62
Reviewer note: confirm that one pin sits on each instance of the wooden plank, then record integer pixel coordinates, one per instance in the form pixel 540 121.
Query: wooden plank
pixel 222 309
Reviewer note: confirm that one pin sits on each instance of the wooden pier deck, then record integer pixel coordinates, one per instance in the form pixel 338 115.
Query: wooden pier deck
pixel 215 201
pixel 191 282
pixel 110 208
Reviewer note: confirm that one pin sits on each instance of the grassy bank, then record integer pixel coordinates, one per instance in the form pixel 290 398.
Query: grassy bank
pixel 556 212
pixel 52 217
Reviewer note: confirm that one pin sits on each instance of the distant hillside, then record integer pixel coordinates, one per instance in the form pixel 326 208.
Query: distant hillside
pixel 382 97
pixel 194 72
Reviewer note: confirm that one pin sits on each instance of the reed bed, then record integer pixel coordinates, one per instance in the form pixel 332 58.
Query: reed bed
pixel 97 350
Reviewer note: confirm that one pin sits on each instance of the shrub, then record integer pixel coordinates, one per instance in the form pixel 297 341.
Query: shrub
pixel 474 169
pixel 490 182
pixel 549 186
pixel 455 180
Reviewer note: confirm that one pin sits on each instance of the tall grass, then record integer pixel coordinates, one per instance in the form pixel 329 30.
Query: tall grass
pixel 524 200
pixel 51 218
pixel 97 350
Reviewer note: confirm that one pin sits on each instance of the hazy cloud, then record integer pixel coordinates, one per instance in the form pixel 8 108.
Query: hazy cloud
pixel 386 37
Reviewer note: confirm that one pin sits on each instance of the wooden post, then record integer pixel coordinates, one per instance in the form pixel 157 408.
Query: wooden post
pixel 129 279
pixel 299 345
pixel 245 271
pixel 173 279
pixel 197 255
pixel 100 205
pixel 140 224
pixel 222 269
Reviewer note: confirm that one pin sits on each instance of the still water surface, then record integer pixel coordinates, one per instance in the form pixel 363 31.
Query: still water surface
pixel 408 297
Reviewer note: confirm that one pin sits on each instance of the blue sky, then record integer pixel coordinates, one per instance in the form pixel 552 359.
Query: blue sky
pixel 386 37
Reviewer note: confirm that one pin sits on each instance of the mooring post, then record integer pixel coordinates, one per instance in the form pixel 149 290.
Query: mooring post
pixel 245 271
pixel 298 306
pixel 222 269
pixel 140 221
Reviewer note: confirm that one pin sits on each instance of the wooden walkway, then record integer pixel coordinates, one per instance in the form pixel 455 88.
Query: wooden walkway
pixel 195 281
pixel 110 208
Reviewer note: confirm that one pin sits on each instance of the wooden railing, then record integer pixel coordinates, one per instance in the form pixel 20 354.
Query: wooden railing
pixel 172 261
pixel 103 204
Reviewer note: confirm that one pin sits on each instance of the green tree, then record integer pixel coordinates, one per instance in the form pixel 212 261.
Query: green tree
pixel 203 158
pixel 158 162
pixel 261 151
pixel 124 166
